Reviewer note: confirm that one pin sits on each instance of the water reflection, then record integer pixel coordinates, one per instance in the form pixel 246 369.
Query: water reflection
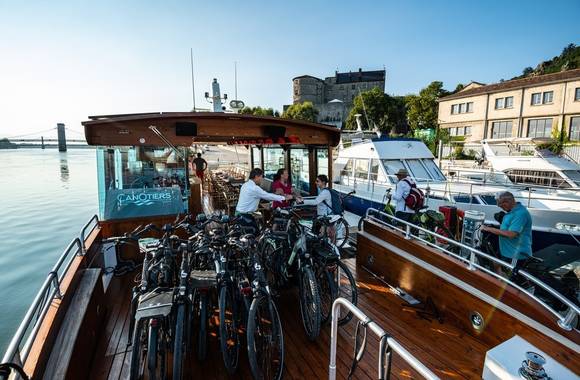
pixel 64 173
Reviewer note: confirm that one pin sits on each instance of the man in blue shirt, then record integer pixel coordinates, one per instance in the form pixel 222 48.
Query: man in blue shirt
pixel 515 232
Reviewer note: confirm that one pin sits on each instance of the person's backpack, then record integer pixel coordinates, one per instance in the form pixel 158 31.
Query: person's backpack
pixel 336 200
pixel 416 199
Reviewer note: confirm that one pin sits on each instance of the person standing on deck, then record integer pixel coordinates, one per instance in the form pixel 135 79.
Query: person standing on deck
pixel 281 186
pixel 250 195
pixel 323 201
pixel 402 191
pixel 515 232
pixel 200 166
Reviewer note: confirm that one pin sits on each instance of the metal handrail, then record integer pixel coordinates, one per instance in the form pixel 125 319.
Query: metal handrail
pixel 386 341
pixel 50 290
pixel 95 218
pixel 564 321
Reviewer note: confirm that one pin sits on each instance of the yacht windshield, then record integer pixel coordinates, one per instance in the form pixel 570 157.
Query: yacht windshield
pixel 418 171
pixel 391 167
pixel 574 175
pixel 434 170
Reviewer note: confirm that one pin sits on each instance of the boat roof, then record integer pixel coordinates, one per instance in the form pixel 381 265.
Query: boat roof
pixel 186 128
pixel 388 149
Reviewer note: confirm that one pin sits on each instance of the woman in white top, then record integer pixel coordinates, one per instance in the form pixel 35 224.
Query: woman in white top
pixel 323 201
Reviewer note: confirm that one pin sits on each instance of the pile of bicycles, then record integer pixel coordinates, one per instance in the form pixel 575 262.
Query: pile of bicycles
pixel 211 266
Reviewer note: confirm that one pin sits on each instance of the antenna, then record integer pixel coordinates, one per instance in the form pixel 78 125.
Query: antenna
pixel 192 79
pixel 364 108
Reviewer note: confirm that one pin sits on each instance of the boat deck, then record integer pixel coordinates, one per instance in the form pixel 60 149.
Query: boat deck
pixel 444 348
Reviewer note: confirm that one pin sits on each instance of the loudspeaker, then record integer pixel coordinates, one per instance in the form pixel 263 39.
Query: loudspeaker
pixel 274 132
pixel 184 128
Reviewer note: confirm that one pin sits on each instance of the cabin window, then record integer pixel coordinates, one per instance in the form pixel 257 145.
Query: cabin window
pixel 391 167
pixel 465 198
pixel 418 171
pixel 322 161
pixel 299 169
pixel 574 175
pixel 361 169
pixel 377 174
pixel 256 158
pixel 489 199
pixel 141 181
pixel 433 170
pixel 537 177
pixel 346 172
pixel 273 160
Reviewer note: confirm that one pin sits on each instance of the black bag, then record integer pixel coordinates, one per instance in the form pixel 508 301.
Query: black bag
pixel 336 206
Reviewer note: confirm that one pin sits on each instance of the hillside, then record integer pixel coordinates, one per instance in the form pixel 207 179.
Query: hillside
pixel 567 60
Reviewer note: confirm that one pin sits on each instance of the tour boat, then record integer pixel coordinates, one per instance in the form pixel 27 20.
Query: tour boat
pixel 436 314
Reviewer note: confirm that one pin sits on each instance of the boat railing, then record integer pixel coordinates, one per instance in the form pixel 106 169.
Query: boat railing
pixel 387 344
pixel 21 343
pixel 471 257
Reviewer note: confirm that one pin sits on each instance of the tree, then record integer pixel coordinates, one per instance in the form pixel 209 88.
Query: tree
pixel 527 71
pixel 387 113
pixel 259 111
pixel 458 88
pixel 423 109
pixel 301 111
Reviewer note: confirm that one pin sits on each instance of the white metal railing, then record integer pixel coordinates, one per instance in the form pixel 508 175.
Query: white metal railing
pixel 21 343
pixel 564 320
pixel 387 343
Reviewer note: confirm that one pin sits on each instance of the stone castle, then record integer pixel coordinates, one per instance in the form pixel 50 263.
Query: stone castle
pixel 333 97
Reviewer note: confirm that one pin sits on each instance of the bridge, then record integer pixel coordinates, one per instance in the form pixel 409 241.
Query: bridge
pixel 51 137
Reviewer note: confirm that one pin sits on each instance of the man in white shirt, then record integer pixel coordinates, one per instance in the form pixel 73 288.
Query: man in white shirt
pixel 250 195
pixel 402 191
pixel 323 201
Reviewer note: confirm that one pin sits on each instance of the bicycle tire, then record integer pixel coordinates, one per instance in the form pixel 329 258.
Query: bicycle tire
pixel 202 333
pixel 341 229
pixel 328 293
pixel 346 289
pixel 261 308
pixel 179 343
pixel 229 339
pixel 157 355
pixel 136 353
pixel 309 303
pixel 152 350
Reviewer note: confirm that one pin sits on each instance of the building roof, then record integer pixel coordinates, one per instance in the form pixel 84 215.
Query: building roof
pixel 516 84
pixel 360 76
pixel 306 76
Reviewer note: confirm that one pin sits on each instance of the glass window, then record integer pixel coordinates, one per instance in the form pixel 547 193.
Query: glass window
pixel 346 172
pixel 460 131
pixel 299 169
pixel 455 108
pixel 501 129
pixel 575 128
pixel 489 199
pixel 376 172
pixel 418 171
pixel 256 158
pixel 391 167
pixel 548 97
pixel 322 160
pixel 462 108
pixel 499 103
pixel 536 98
pixel 467 131
pixel 141 181
pixel 465 199
pixel 577 94
pixel 273 160
pixel 540 128
pixel 574 175
pixel 470 107
pixel 433 170
pixel 452 131
pixel 361 169
pixel 509 102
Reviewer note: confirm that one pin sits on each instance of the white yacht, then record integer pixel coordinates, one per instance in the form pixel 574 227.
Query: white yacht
pixel 369 168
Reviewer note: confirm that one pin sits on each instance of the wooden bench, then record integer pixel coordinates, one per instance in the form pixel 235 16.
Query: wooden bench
pixel 73 348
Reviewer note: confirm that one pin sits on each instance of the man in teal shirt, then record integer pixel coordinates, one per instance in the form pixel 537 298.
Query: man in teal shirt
pixel 515 232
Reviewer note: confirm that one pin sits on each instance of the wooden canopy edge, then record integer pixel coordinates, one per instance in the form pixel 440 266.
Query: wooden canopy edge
pixel 133 129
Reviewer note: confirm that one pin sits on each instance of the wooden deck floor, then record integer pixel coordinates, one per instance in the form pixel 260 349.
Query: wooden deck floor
pixel 445 349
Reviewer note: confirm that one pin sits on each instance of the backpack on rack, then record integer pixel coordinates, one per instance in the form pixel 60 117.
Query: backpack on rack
pixel 336 202
pixel 416 199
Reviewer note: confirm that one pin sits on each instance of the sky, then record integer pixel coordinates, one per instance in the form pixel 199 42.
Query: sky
pixel 63 61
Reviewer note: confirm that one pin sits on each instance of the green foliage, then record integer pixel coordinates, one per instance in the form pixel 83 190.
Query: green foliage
pixel 6 144
pixel 423 109
pixel 567 60
pixel 301 111
pixel 387 113
pixel 259 111
pixel 559 140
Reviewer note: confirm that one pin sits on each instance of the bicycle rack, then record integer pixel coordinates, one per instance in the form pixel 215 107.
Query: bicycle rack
pixel 386 342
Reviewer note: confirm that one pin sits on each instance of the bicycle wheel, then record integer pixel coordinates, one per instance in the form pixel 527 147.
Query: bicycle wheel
pixel 229 340
pixel 156 350
pixel 345 286
pixel 202 331
pixel 328 293
pixel 179 344
pixel 340 233
pixel 309 303
pixel 265 340
pixel 138 351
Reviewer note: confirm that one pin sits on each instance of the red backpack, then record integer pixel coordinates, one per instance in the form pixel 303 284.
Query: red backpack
pixel 416 199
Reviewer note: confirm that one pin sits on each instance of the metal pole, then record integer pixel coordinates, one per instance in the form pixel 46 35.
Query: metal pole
pixel 192 79
pixel 42 142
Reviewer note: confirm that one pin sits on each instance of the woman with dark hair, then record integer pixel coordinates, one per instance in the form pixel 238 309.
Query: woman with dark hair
pixel 281 186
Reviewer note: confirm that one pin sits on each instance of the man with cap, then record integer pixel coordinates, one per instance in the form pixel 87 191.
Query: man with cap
pixel 402 191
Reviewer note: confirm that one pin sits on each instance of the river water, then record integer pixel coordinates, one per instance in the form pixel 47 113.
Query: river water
pixel 45 198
